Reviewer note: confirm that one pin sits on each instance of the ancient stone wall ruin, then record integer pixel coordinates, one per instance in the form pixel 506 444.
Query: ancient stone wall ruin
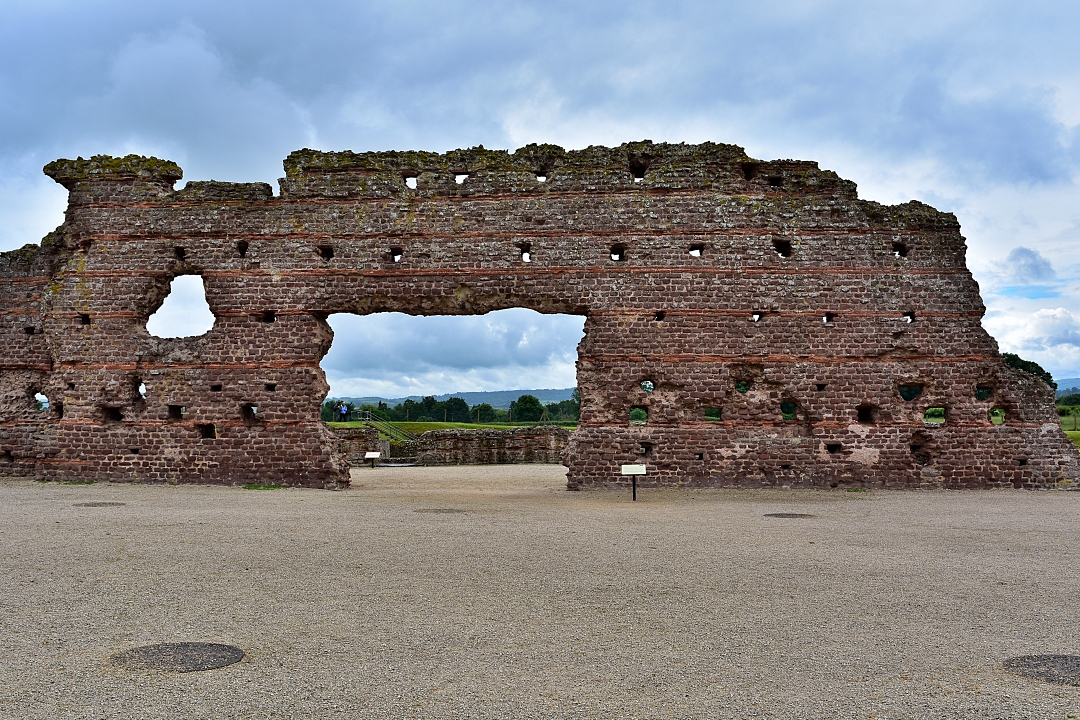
pixel 488 446
pixel 354 443
pixel 775 329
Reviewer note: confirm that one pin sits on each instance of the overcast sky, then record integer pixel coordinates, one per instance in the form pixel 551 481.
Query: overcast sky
pixel 972 107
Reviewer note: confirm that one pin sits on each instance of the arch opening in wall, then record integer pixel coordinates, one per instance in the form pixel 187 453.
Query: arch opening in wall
pixel 788 410
pixel 909 392
pixel 183 311
pixel 411 369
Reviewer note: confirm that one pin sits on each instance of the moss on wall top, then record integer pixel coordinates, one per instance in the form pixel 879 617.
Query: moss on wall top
pixel 106 167
pixel 530 158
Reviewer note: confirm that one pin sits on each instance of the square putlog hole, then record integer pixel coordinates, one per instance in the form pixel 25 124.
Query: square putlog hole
pixel 934 416
pixel 207 431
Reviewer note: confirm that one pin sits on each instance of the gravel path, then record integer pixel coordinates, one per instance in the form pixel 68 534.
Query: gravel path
pixel 492 592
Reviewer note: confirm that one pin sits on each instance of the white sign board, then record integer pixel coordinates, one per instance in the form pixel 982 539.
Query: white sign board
pixel 372 455
pixel 633 469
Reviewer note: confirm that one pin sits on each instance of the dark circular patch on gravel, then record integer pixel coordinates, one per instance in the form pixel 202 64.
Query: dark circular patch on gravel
pixel 1058 669
pixel 179 657
pixel 440 510
pixel 99 504
pixel 789 515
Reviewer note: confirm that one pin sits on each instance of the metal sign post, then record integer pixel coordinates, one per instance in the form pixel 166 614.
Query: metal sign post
pixel 372 456
pixel 633 471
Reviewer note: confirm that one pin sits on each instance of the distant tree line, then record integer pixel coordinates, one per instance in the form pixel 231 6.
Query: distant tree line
pixel 526 408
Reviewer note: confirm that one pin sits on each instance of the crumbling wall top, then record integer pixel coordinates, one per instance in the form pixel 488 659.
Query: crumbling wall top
pixel 201 191
pixel 530 158
pixel 106 167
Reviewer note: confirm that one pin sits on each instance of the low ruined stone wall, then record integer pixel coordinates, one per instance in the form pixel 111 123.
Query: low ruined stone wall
pixel 353 443
pixel 538 444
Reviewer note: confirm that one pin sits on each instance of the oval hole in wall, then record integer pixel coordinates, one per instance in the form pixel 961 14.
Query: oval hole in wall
pixel 184 312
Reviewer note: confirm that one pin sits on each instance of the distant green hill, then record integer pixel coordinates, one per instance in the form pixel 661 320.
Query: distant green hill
pixel 1067 386
pixel 498 399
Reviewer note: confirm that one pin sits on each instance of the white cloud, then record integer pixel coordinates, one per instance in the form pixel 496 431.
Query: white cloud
pixel 185 312
pixel 1025 266
pixel 1049 336
pixel 392 355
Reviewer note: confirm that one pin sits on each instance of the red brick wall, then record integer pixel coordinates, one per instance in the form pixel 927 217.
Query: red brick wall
pixel 354 443
pixel 493 447
pixel 115 255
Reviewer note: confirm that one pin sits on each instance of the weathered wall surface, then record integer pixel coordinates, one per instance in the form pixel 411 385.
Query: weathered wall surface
pixel 669 251
pixel 353 443
pixel 540 444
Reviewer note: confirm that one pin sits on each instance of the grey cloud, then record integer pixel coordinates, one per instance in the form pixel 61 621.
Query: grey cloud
pixel 1025 266
pixel 223 86
pixel 406 345
pixel 1010 136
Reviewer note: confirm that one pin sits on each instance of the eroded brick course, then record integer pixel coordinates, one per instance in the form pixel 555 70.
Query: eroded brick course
pixel 488 446
pixel 706 239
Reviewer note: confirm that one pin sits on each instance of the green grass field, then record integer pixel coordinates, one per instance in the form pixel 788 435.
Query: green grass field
pixel 418 428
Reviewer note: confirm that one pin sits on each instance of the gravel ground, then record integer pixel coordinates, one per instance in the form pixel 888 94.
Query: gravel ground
pixel 534 602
